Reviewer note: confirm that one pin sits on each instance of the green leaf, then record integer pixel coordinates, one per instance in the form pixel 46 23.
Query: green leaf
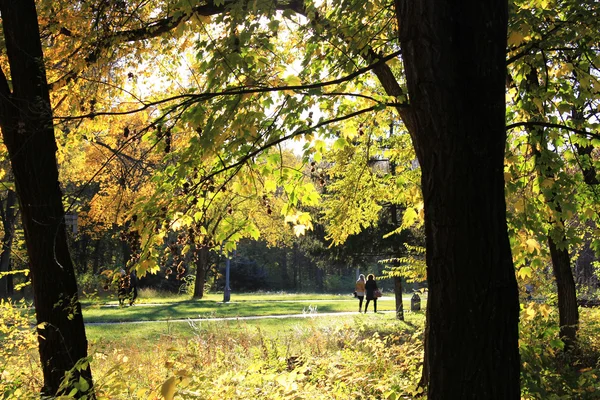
pixel 340 143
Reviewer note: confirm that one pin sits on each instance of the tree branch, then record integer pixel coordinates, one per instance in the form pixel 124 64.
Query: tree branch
pixel 282 139
pixel 153 30
pixel 245 90
pixel 533 124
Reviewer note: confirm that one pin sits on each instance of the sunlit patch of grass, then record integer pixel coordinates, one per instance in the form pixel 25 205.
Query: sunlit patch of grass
pixel 152 309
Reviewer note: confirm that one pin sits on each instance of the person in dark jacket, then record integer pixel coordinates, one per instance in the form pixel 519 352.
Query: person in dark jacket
pixel 371 287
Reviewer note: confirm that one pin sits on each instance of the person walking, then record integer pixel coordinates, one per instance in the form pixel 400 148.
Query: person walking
pixel 360 291
pixel 371 287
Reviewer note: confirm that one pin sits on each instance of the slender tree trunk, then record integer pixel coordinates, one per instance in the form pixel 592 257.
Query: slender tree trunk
pixel 454 55
pixel 567 298
pixel 9 217
pixel 557 241
pixel 398 295
pixel 27 128
pixel 396 247
pixel 201 268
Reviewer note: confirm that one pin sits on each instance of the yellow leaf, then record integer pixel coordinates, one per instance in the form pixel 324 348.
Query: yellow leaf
pixel 532 245
pixel 544 309
pixel 530 312
pixel 299 230
pixel 524 272
pixel 293 80
pixel 515 38
pixel 409 217
pixel 167 389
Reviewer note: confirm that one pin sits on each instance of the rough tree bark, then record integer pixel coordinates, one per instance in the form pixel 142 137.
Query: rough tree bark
pixel 27 128
pixel 9 217
pixel 454 55
pixel 568 312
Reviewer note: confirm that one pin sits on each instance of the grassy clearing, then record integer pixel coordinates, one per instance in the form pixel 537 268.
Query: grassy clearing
pixel 149 332
pixel 153 309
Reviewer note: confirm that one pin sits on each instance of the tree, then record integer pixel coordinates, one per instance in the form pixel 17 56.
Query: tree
pixel 458 134
pixel 27 128
pixel 553 89
pixel 451 51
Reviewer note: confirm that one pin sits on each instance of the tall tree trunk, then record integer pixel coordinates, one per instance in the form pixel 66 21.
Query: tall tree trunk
pixel 454 55
pixel 27 127
pixel 557 241
pixel 568 313
pixel 396 248
pixel 201 268
pixel 9 217
pixel 398 296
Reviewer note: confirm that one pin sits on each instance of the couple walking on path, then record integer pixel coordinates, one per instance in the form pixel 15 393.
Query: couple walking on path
pixel 369 288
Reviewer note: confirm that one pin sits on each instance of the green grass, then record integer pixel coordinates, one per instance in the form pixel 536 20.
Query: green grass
pixel 145 334
pixel 155 309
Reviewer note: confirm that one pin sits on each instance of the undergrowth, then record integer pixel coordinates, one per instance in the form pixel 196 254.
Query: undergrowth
pixel 370 357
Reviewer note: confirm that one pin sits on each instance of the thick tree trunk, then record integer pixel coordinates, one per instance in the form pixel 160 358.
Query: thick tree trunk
pixel 454 55
pixel 201 268
pixel 9 217
pixel 27 127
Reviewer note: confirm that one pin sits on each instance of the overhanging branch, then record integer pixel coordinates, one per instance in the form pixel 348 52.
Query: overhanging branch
pixel 533 124
pixel 245 90
pixel 282 139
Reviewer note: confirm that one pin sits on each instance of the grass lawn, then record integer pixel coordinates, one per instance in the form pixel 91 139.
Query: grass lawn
pixel 147 333
pixel 174 308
